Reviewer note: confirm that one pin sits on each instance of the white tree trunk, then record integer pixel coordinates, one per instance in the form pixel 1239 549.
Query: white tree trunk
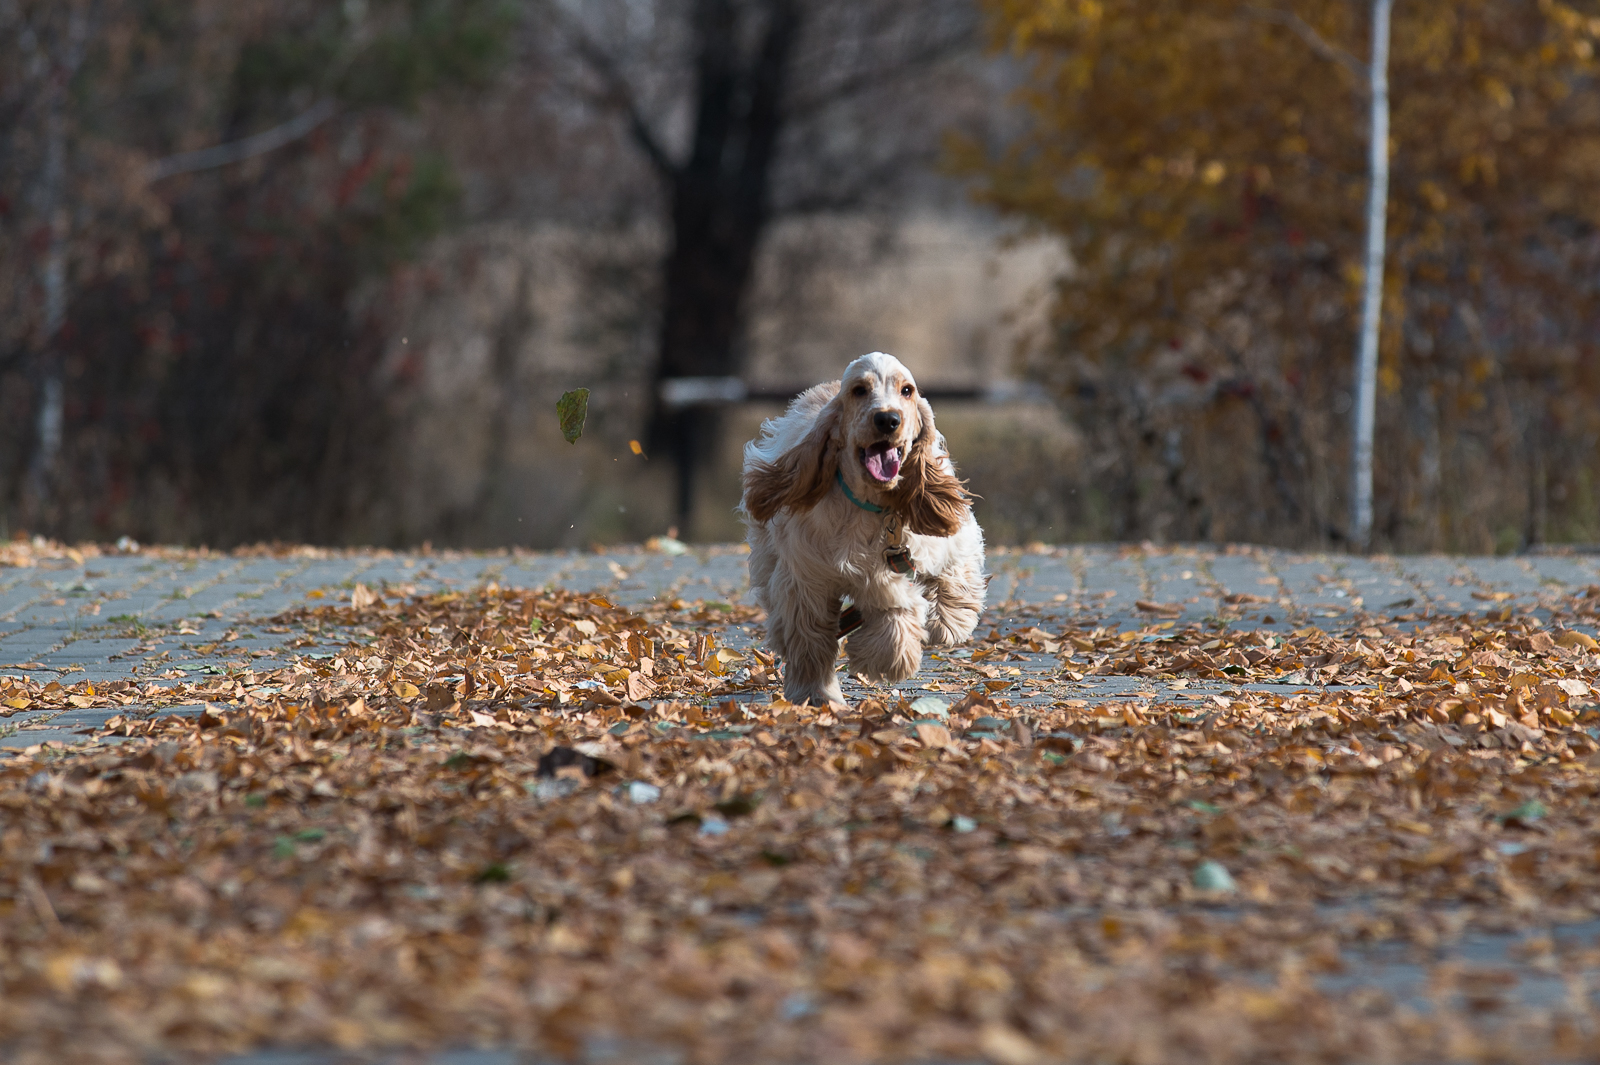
pixel 53 278
pixel 1366 384
pixel 53 209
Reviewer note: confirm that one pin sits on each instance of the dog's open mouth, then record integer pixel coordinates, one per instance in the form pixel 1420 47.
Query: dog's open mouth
pixel 882 461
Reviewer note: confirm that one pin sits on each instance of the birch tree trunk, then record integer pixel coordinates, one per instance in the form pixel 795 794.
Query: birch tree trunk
pixel 1366 384
pixel 53 208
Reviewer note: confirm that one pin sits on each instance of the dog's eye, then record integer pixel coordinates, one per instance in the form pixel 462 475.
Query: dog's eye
pixel 908 390
pixel 859 390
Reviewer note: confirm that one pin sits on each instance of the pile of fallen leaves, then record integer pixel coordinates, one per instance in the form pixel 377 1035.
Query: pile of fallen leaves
pixel 24 553
pixel 538 820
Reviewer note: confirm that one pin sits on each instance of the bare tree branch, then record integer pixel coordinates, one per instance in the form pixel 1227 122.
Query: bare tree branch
pixel 877 75
pixel 845 198
pixel 616 93
pixel 1318 43
pixel 240 150
pixel 619 94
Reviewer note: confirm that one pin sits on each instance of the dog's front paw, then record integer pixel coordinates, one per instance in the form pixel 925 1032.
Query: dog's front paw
pixel 902 666
pixel 801 693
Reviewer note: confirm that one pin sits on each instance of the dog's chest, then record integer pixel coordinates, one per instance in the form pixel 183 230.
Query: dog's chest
pixel 866 549
pixel 847 539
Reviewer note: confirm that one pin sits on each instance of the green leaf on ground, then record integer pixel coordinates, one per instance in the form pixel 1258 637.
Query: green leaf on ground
pixel 1213 876
pixel 1527 813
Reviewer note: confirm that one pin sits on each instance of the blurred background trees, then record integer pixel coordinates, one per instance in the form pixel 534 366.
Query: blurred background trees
pixel 272 269
pixel 1206 162
pixel 190 193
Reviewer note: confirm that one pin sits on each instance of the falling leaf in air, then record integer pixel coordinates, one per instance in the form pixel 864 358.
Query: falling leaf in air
pixel 573 408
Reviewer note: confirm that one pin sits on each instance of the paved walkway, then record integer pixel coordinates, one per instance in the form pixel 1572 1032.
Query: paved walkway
pixel 163 618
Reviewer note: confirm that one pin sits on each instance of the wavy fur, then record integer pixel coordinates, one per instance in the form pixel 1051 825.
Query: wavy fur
pixel 799 477
pixel 810 547
pixel 933 501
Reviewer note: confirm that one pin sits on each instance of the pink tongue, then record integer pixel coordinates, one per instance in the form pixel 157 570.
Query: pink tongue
pixel 883 465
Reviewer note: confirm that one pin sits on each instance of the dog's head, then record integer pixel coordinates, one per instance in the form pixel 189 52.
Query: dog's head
pixel 878 433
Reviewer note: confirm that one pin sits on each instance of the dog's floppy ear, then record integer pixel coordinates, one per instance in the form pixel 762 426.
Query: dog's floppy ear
pixel 930 498
pixel 801 476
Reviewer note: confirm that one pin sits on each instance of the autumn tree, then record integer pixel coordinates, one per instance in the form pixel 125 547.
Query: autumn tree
pixel 190 196
pixel 1206 161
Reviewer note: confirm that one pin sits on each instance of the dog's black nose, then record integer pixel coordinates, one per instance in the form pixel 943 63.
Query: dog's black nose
pixel 886 421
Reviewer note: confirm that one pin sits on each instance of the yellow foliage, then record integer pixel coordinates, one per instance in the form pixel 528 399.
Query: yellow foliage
pixel 1206 162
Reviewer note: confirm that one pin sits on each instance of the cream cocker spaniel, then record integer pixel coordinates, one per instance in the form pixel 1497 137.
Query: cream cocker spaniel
pixel 851 493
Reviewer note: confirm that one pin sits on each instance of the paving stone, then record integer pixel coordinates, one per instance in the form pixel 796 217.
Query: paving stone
pixel 111 581
pixel 1559 571
pixel 1177 586
pixel 1045 584
pixel 1505 574
pixel 84 651
pixel 467 573
pixel 218 597
pixel 97 674
pixel 25 738
pixel 1242 575
pixel 80 719
pixel 651 578
pixel 272 602
pixel 533 571
pixel 51 611
pixel 1111 574
pixel 324 574
pixel 23 591
pixel 1433 575
pixel 1383 589
pixel 1040 578
pixel 43 676
pixel 29 644
pixel 1403 971
pixel 145 602
pixel 1307 580
pixel 188 710
pixel 266 570
pixel 385 577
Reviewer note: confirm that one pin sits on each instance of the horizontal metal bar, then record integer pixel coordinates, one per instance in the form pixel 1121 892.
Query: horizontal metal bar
pixel 679 392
